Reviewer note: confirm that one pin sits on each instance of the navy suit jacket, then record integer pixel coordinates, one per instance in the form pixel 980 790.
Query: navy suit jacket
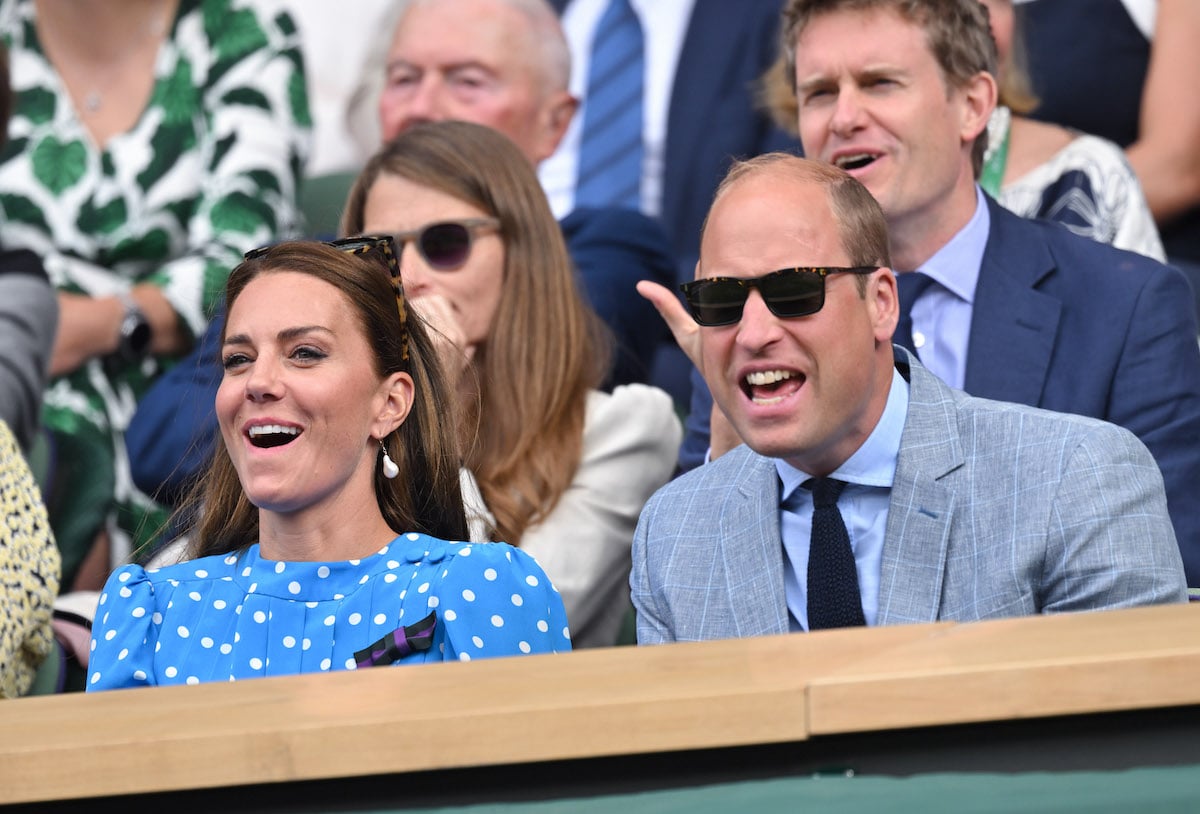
pixel 714 118
pixel 1068 324
pixel 612 249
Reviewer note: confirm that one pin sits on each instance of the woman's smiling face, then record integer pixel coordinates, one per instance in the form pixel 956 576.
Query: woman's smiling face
pixel 300 406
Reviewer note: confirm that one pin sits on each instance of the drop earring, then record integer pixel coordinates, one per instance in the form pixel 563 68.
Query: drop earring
pixel 390 470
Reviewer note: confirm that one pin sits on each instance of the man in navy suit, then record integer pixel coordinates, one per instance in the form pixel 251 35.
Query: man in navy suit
pixel 704 59
pixel 1017 310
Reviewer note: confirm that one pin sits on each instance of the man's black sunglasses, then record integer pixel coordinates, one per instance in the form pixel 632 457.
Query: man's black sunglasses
pixel 794 292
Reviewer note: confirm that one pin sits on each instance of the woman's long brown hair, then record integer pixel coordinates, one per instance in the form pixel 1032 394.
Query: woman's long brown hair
pixel 426 497
pixel 523 434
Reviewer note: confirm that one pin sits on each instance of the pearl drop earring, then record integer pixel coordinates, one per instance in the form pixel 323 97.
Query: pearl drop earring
pixel 390 470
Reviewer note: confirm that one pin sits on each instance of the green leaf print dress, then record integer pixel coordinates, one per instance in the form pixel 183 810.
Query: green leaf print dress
pixel 209 171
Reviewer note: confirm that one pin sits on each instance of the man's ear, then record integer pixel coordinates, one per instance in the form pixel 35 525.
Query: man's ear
pixel 884 302
pixel 397 394
pixel 979 100
pixel 556 113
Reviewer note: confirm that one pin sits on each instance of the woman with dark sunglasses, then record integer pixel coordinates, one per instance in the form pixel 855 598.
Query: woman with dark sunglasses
pixel 331 518
pixel 563 468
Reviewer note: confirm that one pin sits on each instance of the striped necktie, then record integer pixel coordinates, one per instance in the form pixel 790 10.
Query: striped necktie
pixel 910 285
pixel 610 153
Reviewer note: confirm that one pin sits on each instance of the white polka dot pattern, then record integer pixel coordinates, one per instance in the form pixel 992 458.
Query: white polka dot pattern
pixel 237 616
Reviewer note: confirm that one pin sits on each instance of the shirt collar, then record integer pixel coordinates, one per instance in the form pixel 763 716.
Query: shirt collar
pixel 955 266
pixel 872 464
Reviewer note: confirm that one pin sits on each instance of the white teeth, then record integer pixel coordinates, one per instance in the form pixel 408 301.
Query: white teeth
pixel 762 377
pixel 271 429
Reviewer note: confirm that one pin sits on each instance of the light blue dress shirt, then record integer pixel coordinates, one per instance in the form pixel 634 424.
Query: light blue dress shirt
pixel 941 317
pixel 869 474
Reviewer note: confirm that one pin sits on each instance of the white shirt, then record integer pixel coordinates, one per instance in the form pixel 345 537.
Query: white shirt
pixel 664 26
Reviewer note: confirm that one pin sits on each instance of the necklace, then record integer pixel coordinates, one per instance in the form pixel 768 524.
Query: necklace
pixel 78 69
pixel 93 99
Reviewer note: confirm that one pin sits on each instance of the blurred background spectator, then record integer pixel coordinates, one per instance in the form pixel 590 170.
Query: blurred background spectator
pixel 1128 75
pixel 152 142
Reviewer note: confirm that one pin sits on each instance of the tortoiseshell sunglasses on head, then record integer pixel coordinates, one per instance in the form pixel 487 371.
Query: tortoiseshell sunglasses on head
pixel 361 245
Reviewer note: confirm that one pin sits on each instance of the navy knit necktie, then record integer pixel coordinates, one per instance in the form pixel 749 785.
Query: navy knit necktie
pixel 610 153
pixel 909 286
pixel 834 599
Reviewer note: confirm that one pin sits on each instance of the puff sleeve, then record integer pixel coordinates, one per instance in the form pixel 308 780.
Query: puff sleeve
pixel 125 632
pixel 495 600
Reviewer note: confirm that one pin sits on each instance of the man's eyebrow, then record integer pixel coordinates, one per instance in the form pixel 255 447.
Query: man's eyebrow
pixel 462 64
pixel 867 74
pixel 809 84
pixel 285 335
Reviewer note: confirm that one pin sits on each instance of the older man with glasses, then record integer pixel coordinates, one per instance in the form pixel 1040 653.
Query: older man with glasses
pixel 867 491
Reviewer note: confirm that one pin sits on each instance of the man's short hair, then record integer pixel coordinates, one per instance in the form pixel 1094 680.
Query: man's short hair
pixel 959 34
pixel 861 225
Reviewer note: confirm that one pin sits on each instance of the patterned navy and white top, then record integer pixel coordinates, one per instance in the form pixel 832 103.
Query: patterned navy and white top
pixel 1088 187
pixel 234 616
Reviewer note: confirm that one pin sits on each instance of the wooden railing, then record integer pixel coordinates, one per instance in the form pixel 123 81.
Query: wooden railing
pixel 624 701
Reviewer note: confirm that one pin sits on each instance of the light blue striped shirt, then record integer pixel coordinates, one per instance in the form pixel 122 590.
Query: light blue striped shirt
pixel 941 316
pixel 869 474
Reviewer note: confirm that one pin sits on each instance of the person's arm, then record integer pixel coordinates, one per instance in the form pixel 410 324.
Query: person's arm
pixel 124 633
pixel 29 561
pixel 652 628
pixel 1110 541
pixel 28 320
pixel 630 443
pixel 91 326
pixel 174 429
pixel 495 600
pixel 1155 394
pixel 1166 155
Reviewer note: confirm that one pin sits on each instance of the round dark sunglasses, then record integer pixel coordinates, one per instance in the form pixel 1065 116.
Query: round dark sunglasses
pixel 788 293
pixel 446 245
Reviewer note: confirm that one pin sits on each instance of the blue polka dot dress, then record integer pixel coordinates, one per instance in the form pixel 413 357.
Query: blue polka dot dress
pixel 237 615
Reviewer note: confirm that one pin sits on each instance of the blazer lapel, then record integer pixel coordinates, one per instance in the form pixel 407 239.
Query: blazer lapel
pixel 1013 325
pixel 753 552
pixel 921 509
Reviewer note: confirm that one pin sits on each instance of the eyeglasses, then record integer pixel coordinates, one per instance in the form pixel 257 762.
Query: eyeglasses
pixel 446 246
pixel 788 293
pixel 383 244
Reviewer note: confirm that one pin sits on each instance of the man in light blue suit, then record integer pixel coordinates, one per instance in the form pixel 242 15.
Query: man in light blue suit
pixel 899 94
pixel 947 506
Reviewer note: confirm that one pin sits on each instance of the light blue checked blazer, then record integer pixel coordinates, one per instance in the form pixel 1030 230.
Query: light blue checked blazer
pixel 997 510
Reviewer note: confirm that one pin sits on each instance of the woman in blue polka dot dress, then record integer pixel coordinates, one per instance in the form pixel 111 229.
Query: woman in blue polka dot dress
pixel 327 519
